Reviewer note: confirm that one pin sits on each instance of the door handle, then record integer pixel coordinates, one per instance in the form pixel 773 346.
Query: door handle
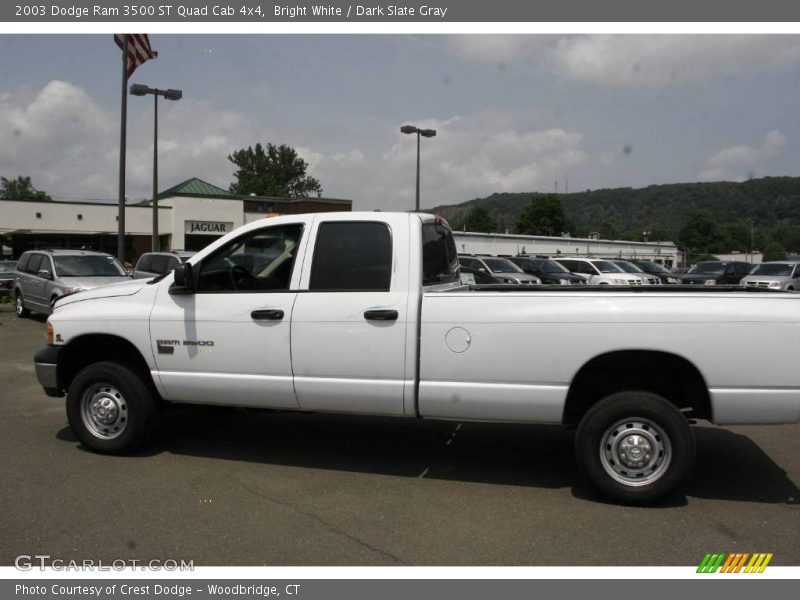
pixel 381 315
pixel 267 315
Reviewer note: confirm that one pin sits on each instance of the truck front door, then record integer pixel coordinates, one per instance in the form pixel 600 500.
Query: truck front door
pixel 228 342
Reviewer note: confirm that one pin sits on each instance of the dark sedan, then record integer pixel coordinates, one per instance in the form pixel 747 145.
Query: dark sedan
pixel 716 272
pixel 549 271
pixel 660 271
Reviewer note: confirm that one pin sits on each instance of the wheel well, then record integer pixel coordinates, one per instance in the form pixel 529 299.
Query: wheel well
pixel 662 373
pixel 88 349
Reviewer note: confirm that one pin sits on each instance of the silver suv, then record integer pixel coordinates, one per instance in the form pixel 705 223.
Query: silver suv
pixel 500 268
pixel 44 275
pixel 775 275
pixel 152 264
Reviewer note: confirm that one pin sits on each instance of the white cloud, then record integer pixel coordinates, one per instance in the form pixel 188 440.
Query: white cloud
pixel 664 60
pixel 633 60
pixel 736 163
pixel 469 157
pixel 69 145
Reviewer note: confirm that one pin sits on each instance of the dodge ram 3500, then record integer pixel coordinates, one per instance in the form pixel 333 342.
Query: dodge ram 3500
pixel 364 313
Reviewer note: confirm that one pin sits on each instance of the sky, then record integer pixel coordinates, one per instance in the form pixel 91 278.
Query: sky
pixel 512 113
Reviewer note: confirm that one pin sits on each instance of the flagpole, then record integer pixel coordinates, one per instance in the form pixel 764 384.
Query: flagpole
pixel 122 135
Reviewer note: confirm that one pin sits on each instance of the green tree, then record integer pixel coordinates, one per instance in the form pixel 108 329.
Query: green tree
pixel 701 233
pixel 479 220
pixel 735 237
pixel 21 188
pixel 774 251
pixel 609 230
pixel 274 171
pixel 544 215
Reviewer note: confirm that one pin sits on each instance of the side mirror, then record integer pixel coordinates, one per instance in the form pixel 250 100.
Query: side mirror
pixel 184 281
pixel 45 273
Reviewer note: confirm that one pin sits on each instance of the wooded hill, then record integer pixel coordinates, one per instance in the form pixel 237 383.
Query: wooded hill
pixel 773 204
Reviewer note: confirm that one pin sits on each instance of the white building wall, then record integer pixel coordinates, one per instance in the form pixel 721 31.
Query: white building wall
pixel 66 217
pixel 490 243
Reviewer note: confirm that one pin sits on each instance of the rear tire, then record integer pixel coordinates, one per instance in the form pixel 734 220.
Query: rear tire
pixel 635 447
pixel 19 306
pixel 110 408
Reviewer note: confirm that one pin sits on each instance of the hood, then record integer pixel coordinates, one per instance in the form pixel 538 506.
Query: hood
pixel 127 287
pixel 698 276
pixel 781 278
pixel 89 283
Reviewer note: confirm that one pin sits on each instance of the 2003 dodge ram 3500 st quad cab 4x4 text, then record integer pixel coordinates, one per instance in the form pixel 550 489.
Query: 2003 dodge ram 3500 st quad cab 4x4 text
pixel 364 313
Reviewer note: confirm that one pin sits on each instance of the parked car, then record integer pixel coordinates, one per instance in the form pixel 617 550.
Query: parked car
pixel 470 276
pixel 632 269
pixel 500 268
pixel 716 272
pixel 7 268
pixel 549 271
pixel 599 272
pixel 660 271
pixel 153 264
pixel 775 275
pixel 43 276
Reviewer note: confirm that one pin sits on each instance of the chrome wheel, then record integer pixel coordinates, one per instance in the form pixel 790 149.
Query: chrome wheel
pixel 104 411
pixel 635 452
pixel 19 306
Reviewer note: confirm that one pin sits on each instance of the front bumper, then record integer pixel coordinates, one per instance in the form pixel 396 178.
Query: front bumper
pixel 46 363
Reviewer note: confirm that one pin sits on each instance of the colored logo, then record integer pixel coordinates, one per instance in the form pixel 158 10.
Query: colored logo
pixel 740 562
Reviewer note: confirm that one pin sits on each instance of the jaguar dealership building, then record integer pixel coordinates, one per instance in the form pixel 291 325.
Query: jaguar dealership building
pixel 191 215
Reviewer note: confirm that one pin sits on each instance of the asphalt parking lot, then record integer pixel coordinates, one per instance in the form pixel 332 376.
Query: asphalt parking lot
pixel 238 487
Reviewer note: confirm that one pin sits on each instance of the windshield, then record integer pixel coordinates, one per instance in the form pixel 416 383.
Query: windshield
pixel 7 267
pixel 708 268
pixel 656 268
pixel 551 266
pixel 501 265
pixel 605 266
pixel 628 267
pixel 779 269
pixel 88 266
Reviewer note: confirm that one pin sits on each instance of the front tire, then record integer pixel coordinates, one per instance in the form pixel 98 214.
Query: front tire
pixel 19 306
pixel 110 408
pixel 635 447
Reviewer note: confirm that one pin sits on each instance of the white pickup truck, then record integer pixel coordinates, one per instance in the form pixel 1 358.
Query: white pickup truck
pixel 363 313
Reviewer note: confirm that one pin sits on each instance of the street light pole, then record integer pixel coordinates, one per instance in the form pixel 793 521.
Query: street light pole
pixel 142 90
pixel 420 133
pixel 416 204
pixel 156 242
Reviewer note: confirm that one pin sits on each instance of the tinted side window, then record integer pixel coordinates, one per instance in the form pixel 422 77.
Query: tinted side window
pixel 159 264
pixel 23 261
pixel 439 259
pixel 33 263
pixel 352 256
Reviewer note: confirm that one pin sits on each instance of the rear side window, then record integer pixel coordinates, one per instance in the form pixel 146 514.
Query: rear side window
pixel 23 262
pixel 352 256
pixel 145 263
pixel 33 263
pixel 439 258
pixel 159 264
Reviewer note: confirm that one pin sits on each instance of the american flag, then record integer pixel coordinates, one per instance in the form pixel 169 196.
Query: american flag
pixel 138 49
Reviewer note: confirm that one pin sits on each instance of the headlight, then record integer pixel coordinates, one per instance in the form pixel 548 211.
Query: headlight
pixel 73 290
pixel 619 281
pixel 564 281
pixel 672 280
pixel 776 285
pixel 711 282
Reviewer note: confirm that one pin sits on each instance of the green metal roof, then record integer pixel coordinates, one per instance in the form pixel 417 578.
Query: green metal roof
pixel 195 187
